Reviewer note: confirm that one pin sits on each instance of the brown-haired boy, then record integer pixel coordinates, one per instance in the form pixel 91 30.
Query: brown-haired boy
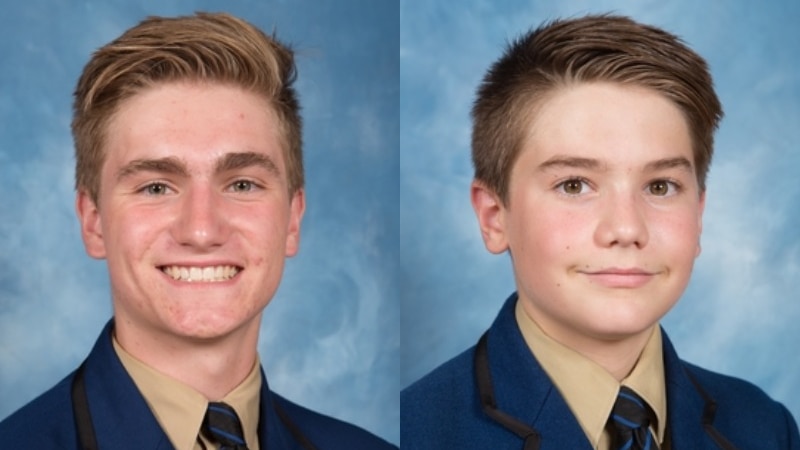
pixel 592 139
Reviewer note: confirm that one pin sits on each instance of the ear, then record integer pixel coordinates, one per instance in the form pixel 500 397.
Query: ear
pixel 702 207
pixel 491 217
pixel 297 207
pixel 91 225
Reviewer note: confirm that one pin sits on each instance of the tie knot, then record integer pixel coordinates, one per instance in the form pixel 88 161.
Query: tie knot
pixel 630 420
pixel 222 425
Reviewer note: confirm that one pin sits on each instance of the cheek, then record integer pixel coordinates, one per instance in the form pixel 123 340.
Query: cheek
pixel 678 235
pixel 263 237
pixel 550 234
pixel 133 232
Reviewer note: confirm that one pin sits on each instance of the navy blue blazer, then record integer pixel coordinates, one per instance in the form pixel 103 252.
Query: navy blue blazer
pixel 705 410
pixel 122 420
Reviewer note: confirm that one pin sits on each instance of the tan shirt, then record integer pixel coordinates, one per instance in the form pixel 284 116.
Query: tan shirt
pixel 589 390
pixel 180 409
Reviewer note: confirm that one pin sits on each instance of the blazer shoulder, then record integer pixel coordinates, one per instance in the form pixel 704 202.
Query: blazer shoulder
pixel 46 422
pixel 444 384
pixel 741 404
pixel 326 432
pixel 434 408
pixel 731 391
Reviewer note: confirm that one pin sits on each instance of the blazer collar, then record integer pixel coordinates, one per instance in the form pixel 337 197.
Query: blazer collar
pixel 523 390
pixel 108 386
pixel 690 410
pixel 117 408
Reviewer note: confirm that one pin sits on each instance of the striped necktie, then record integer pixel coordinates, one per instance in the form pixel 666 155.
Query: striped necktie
pixel 630 423
pixel 222 426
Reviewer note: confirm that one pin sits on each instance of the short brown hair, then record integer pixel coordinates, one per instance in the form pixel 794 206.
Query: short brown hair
pixel 588 49
pixel 203 47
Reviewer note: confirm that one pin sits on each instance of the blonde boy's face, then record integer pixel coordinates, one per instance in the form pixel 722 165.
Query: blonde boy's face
pixel 604 213
pixel 195 218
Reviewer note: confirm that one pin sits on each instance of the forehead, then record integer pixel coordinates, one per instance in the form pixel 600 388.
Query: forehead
pixel 192 121
pixel 607 121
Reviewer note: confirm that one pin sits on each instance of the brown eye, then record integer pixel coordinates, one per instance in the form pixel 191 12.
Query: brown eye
pixel 660 188
pixel 572 187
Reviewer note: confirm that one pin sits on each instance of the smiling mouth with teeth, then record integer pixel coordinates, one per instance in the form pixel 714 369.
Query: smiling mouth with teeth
pixel 201 274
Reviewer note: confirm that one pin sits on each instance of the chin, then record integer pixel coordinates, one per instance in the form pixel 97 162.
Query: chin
pixel 620 329
pixel 205 327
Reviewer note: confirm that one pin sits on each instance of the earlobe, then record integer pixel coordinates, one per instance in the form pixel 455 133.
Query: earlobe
pixel 91 225
pixel 297 207
pixel 489 210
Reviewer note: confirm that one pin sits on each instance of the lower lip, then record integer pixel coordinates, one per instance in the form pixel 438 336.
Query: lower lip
pixel 619 280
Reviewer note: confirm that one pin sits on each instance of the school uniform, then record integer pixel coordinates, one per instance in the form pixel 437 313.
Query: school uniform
pixel 496 395
pixel 118 417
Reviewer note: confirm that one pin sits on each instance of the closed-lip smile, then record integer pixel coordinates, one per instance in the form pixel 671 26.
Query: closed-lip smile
pixel 625 278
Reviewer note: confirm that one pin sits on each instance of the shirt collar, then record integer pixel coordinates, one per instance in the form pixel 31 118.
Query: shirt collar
pixel 647 380
pixel 588 389
pixel 180 409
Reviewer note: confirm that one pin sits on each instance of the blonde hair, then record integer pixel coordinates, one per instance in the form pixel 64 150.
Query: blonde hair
pixel 204 47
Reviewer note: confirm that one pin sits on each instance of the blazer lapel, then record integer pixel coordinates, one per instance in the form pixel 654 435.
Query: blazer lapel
pixel 523 390
pixel 271 431
pixel 118 410
pixel 689 409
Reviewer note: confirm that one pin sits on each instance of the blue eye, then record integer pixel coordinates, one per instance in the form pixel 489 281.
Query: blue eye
pixel 155 189
pixel 243 186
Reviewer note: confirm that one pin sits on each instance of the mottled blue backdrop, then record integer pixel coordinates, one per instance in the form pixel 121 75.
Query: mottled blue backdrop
pixel 331 337
pixel 741 312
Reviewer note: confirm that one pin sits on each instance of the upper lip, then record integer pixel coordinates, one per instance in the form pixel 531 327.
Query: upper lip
pixel 201 264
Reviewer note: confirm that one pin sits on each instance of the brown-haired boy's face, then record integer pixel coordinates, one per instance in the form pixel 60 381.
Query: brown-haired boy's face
pixel 604 213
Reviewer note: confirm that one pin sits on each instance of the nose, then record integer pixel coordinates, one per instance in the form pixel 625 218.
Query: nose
pixel 622 222
pixel 201 223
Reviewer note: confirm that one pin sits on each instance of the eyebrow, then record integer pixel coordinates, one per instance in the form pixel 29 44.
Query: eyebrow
pixel 593 164
pixel 571 162
pixel 174 166
pixel 241 160
pixel 168 165
pixel 670 163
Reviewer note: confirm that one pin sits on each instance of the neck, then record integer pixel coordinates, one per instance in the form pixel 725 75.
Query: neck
pixel 617 355
pixel 213 367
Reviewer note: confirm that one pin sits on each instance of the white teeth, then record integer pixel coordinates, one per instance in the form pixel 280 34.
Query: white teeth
pixel 201 274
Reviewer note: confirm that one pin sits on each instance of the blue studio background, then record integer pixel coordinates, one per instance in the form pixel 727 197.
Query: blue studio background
pixel 331 338
pixel 741 310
